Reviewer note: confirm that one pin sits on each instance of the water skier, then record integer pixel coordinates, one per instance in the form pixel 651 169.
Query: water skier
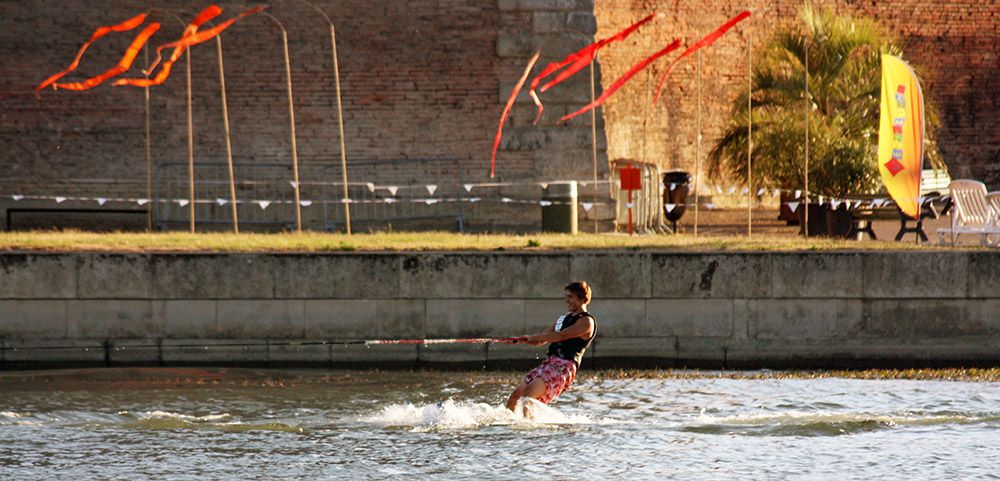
pixel 568 338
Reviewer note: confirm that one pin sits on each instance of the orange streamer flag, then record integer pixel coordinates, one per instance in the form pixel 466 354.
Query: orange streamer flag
pixel 623 79
pixel 123 65
pixel 506 110
pixel 100 32
pixel 704 42
pixel 576 61
pixel 901 134
pixel 207 14
pixel 180 46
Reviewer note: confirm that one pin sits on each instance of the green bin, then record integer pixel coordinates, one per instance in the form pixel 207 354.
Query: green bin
pixel 559 212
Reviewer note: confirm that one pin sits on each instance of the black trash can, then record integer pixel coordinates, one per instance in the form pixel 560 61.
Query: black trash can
pixel 675 191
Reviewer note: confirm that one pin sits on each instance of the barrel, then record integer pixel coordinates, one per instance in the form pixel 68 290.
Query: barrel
pixel 559 207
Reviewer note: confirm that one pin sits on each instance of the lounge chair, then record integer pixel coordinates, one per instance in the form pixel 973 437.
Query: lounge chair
pixel 972 212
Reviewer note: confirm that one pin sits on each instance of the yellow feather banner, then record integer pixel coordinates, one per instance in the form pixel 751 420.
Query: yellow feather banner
pixel 901 134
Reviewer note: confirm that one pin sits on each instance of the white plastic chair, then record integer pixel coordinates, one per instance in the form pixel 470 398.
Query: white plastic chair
pixel 972 212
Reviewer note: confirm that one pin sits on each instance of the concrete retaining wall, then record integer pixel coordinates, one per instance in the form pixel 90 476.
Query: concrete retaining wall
pixel 666 309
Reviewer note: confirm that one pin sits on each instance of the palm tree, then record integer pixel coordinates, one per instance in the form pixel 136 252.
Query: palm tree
pixel 844 80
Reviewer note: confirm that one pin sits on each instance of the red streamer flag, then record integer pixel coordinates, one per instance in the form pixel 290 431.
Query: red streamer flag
pixel 180 46
pixel 207 14
pixel 100 32
pixel 506 110
pixel 704 42
pixel 123 65
pixel 577 61
pixel 624 78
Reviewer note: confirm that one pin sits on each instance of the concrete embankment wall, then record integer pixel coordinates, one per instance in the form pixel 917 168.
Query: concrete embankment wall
pixel 653 308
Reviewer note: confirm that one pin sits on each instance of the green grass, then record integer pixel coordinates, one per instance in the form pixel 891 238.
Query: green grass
pixel 71 241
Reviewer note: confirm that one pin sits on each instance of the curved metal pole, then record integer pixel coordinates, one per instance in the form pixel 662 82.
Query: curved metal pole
pixel 340 114
pixel 190 124
pixel 229 143
pixel 291 117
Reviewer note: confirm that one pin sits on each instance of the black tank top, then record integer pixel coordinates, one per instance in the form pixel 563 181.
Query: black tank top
pixel 572 349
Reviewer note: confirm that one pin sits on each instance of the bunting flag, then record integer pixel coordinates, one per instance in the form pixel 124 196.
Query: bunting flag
pixel 123 65
pixel 704 42
pixel 100 32
pixel 179 47
pixel 576 62
pixel 624 78
pixel 901 134
pixel 506 110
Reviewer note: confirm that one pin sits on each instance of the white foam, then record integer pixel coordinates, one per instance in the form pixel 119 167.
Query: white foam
pixel 182 417
pixel 10 415
pixel 793 418
pixel 455 415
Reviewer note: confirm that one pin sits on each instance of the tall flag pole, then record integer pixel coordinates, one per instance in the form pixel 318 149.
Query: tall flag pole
pixel 805 190
pixel 750 192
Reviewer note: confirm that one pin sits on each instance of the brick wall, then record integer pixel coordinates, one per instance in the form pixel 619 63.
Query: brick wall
pixel 423 85
pixel 954 42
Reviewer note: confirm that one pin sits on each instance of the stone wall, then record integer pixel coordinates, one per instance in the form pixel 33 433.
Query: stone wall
pixel 653 308
pixel 953 43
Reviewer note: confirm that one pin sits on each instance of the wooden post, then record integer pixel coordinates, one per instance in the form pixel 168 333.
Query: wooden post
pixel 190 126
pixel 149 154
pixel 750 192
pixel 697 157
pixel 340 121
pixel 593 136
pixel 805 226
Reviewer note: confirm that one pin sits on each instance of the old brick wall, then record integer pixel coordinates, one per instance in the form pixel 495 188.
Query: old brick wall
pixel 423 85
pixel 954 42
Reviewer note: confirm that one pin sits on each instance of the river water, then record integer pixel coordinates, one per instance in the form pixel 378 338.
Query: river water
pixel 243 425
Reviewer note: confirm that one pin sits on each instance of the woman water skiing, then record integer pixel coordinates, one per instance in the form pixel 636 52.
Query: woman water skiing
pixel 568 338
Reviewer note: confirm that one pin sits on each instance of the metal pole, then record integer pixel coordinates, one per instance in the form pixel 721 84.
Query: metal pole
pixel 149 154
pixel 340 120
pixel 805 226
pixel 190 121
pixel 750 193
pixel 229 144
pixel 593 136
pixel 291 122
pixel 697 157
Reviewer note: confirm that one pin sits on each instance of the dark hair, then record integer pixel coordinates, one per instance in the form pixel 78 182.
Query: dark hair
pixel 580 289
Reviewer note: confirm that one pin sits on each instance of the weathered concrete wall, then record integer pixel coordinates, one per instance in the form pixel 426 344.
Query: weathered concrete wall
pixel 712 309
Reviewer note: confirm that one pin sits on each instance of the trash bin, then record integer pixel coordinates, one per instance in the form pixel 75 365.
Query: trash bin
pixel 675 192
pixel 559 207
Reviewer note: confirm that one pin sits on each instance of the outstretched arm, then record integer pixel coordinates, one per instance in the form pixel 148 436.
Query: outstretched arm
pixel 584 328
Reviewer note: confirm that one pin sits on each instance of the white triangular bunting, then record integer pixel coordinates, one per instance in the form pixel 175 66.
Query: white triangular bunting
pixel 468 187
pixel 101 200
pixel 794 206
pixel 263 204
pixel 430 201
pixel 629 204
pixel 221 201
pixel 732 190
pixel 183 202
pixel 390 200
pixel 669 207
pixel 672 186
pixel 506 200
pixel 798 193
pixel 776 193
pixel 292 183
pixel 709 206
pixel 137 201
pixel 761 191
pixel 17 197
pixel 393 189
pixel 835 204
pixel 545 203
pixel 718 188
pixel 60 200
pixel 474 199
pixel 371 187
pixel 745 191
pixel 587 206
pixel 305 203
pixel 545 185
pixel 431 188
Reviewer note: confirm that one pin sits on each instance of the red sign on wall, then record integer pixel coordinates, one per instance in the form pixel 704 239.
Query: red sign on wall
pixel 630 179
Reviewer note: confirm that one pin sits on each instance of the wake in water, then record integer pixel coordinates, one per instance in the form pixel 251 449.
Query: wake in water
pixel 819 423
pixel 462 415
